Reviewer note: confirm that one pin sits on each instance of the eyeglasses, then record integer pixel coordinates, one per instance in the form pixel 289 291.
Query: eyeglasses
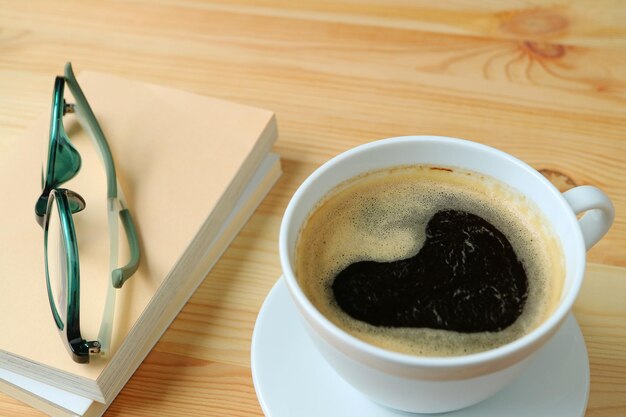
pixel 54 212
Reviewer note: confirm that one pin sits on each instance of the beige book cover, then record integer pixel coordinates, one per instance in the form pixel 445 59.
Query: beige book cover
pixel 182 160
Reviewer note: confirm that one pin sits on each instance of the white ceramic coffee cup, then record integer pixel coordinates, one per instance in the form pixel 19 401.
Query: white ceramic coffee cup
pixel 440 384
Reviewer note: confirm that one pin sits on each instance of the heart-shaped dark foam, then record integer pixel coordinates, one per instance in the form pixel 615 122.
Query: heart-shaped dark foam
pixel 466 278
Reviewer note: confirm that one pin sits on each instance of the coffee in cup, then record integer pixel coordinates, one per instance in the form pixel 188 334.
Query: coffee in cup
pixel 430 260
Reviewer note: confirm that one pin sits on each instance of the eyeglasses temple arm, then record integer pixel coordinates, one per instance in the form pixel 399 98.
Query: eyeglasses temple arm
pixel 120 275
pixel 84 109
pixel 117 211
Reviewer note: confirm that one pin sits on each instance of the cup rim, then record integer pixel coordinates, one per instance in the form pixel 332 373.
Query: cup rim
pixel 355 344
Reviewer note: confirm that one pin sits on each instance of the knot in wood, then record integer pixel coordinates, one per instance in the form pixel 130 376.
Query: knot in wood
pixel 534 23
pixel 560 180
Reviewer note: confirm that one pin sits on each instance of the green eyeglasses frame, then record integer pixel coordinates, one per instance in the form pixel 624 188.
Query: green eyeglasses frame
pixel 63 164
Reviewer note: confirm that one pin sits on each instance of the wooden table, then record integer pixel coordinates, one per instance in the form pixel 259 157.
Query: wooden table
pixel 545 82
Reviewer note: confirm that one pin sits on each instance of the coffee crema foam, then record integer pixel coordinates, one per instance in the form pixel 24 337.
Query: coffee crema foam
pixel 382 216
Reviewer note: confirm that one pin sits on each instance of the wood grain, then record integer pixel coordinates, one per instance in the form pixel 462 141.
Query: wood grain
pixel 542 80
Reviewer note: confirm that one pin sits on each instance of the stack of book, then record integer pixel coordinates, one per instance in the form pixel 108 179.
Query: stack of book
pixel 192 168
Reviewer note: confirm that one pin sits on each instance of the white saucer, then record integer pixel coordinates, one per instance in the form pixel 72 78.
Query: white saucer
pixel 291 379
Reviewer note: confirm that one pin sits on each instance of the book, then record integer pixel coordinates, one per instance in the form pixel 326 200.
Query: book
pixel 192 168
pixel 56 402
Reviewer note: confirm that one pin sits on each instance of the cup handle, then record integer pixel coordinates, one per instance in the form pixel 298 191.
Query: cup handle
pixel 599 212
